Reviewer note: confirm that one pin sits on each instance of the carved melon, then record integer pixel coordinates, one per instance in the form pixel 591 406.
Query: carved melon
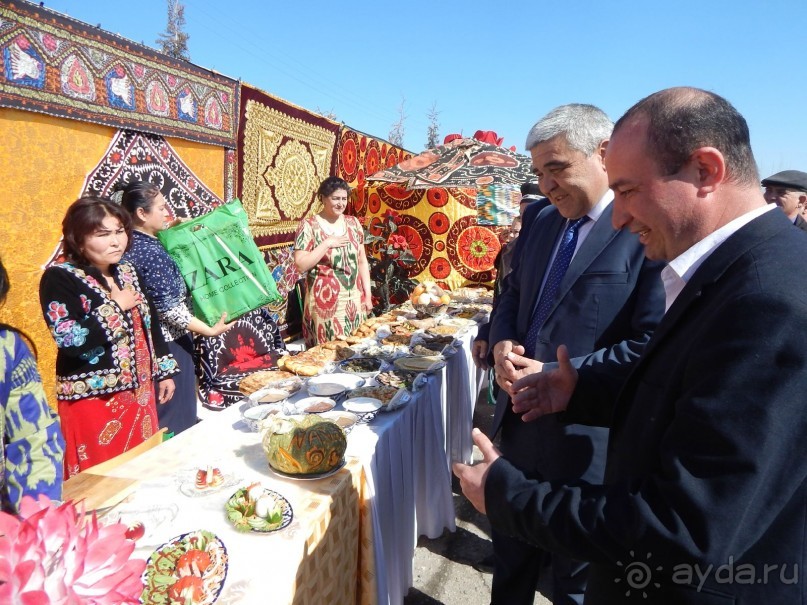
pixel 304 445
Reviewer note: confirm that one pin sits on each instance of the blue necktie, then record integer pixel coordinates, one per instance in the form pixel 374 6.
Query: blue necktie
pixel 556 272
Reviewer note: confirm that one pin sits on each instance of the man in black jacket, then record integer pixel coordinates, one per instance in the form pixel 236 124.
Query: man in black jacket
pixel 704 499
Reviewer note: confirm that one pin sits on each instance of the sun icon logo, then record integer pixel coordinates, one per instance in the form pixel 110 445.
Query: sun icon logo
pixel 638 575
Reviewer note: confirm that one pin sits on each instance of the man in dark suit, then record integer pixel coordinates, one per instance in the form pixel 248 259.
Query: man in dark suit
pixel 705 493
pixel 605 301
pixel 788 190
pixel 532 202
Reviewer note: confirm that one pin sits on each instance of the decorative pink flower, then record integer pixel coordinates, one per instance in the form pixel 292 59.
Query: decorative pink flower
pixel 56 311
pixel 54 554
pixel 22 42
pixel 398 242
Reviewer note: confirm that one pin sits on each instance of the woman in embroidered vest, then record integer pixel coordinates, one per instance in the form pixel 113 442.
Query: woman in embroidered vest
pixel 112 363
pixel 166 289
pixel 329 246
pixel 33 447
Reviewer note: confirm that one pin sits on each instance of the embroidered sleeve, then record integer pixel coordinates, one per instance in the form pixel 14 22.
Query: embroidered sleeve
pixel 74 320
pixel 161 280
pixel 178 316
pixel 34 447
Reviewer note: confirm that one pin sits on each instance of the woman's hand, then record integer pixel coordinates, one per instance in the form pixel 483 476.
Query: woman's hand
pixel 220 327
pixel 126 298
pixel 165 390
pixel 367 301
pixel 337 241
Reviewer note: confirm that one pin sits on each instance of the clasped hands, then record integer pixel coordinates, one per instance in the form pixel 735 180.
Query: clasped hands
pixel 533 391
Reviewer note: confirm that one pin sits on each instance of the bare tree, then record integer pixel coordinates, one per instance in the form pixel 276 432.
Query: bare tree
pixel 396 131
pixel 329 113
pixel 433 131
pixel 174 40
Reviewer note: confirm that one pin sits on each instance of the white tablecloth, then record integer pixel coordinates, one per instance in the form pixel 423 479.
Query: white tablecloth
pixel 406 456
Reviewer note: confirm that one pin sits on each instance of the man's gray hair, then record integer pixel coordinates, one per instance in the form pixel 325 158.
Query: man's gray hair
pixel 584 126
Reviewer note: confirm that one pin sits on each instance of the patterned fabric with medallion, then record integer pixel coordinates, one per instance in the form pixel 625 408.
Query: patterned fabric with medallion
pixel 253 344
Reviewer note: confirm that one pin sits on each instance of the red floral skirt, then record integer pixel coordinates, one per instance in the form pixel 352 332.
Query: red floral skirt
pixel 99 428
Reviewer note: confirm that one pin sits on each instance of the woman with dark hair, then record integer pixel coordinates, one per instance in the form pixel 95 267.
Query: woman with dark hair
pixel 166 289
pixel 329 247
pixel 110 353
pixel 33 447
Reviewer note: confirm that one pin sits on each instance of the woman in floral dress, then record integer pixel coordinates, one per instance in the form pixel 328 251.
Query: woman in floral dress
pixel 329 247
pixel 112 363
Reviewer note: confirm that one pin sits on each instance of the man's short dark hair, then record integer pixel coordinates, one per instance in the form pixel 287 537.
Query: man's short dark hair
pixel 681 120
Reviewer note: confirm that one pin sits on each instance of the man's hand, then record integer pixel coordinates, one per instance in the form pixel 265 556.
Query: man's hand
pixel 505 371
pixel 522 366
pixel 545 392
pixel 472 478
pixel 479 353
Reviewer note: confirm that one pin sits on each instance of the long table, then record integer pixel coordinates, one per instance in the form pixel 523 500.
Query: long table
pixel 354 534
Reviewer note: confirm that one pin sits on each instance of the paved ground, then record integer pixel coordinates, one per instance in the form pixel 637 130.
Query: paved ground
pixel 444 572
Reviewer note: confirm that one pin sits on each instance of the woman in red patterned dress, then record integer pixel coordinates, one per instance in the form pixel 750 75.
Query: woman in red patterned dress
pixel 112 362
pixel 329 247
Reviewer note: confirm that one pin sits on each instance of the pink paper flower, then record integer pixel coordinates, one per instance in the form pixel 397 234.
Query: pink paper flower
pixel 55 555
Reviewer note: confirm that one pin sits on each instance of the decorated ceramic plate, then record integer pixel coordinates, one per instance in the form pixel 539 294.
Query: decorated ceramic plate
pixel 348 381
pixel 361 405
pixel 314 405
pixel 258 509
pixel 204 481
pixel 345 420
pixel 310 476
pixel 161 578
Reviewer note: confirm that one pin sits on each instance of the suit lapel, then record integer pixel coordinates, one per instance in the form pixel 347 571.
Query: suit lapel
pixel 758 230
pixel 544 240
pixel 602 233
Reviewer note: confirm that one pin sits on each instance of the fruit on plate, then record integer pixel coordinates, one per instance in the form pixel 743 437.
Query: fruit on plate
pixel 208 478
pixel 189 569
pixel 256 508
pixel 186 591
pixel 193 563
pixel 135 531
pixel 304 445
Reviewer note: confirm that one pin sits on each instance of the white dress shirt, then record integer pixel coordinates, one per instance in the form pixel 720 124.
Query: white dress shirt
pixel 679 271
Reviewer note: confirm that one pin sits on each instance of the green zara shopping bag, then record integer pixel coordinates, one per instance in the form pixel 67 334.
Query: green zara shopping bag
pixel 221 265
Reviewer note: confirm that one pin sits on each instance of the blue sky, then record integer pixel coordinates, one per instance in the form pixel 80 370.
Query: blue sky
pixel 496 65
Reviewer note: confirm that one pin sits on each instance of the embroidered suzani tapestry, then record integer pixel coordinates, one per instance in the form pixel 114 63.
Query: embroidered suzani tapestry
pixel 284 153
pixel 57 65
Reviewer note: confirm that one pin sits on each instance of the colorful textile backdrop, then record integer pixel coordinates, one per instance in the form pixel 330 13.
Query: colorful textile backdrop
pixel 440 193
pixel 361 155
pixel 59 66
pixel 441 229
pixel 284 152
pixel 38 185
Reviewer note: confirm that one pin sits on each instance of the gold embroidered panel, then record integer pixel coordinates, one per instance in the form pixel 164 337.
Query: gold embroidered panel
pixel 285 152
